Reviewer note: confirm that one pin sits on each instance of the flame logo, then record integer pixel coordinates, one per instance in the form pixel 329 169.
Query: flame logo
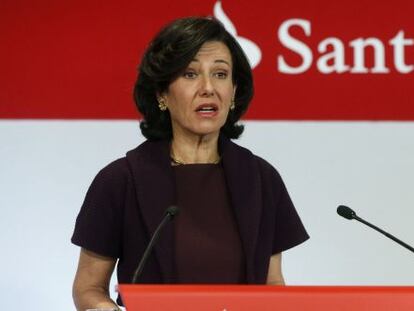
pixel 253 53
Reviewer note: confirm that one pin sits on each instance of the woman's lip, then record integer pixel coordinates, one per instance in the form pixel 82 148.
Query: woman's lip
pixel 207 105
pixel 207 113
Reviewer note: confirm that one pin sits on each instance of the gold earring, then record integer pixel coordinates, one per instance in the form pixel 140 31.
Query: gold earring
pixel 161 104
pixel 233 104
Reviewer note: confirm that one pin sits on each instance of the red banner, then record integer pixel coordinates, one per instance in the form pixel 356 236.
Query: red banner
pixel 313 60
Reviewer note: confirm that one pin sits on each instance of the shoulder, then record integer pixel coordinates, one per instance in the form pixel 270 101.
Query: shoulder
pixel 149 153
pixel 120 169
pixel 272 181
pixel 110 184
pixel 264 168
pixel 115 171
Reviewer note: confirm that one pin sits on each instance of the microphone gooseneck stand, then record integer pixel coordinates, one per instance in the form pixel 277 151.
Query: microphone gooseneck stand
pixel 348 213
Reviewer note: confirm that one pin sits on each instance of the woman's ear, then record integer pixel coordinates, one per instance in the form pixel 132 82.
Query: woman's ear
pixel 162 103
pixel 160 96
pixel 233 99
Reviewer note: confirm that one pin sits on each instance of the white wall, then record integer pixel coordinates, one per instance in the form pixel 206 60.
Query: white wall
pixel 46 167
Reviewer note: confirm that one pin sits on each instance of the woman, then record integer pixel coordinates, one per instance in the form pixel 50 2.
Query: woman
pixel 236 216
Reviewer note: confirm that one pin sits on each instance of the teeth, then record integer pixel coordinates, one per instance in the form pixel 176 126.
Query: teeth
pixel 206 109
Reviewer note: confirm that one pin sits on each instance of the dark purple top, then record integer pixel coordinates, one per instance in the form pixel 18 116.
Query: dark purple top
pixel 207 241
pixel 128 198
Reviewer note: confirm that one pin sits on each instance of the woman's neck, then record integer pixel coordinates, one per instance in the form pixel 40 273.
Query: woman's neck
pixel 190 150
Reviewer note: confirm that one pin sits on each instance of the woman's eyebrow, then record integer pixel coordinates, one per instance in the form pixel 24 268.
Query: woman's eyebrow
pixel 216 61
pixel 222 61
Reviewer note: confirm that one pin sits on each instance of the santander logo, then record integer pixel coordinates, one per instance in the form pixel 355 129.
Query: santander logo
pixel 253 53
pixel 332 55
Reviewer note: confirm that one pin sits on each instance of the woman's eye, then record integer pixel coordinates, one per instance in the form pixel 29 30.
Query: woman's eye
pixel 221 75
pixel 189 75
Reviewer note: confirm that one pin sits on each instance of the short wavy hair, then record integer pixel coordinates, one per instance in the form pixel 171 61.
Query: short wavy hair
pixel 168 54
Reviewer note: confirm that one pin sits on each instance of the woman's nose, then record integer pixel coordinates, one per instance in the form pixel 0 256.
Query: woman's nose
pixel 206 87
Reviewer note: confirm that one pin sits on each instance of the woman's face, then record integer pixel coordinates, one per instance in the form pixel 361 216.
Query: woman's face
pixel 200 98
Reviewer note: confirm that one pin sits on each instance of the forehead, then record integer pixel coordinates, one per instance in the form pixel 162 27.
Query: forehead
pixel 214 50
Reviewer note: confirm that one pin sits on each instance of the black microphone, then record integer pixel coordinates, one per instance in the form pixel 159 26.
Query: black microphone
pixel 168 215
pixel 348 213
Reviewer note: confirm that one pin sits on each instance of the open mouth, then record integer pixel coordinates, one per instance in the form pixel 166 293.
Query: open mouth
pixel 207 108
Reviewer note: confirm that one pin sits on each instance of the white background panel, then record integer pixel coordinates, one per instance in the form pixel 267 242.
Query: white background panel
pixel 47 167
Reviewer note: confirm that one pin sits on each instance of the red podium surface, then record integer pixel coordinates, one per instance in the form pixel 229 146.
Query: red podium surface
pixel 258 298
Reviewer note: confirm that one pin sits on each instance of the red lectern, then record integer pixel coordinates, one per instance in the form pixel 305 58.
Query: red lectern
pixel 269 298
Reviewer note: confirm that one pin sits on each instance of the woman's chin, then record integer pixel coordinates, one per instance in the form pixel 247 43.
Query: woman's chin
pixel 203 132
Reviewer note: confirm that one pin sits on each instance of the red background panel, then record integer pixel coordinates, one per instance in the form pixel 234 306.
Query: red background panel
pixel 77 59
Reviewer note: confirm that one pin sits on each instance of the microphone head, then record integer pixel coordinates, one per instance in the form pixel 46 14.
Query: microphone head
pixel 345 212
pixel 172 211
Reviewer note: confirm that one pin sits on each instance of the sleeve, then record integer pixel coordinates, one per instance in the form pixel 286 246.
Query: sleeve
pixel 289 230
pixel 98 226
